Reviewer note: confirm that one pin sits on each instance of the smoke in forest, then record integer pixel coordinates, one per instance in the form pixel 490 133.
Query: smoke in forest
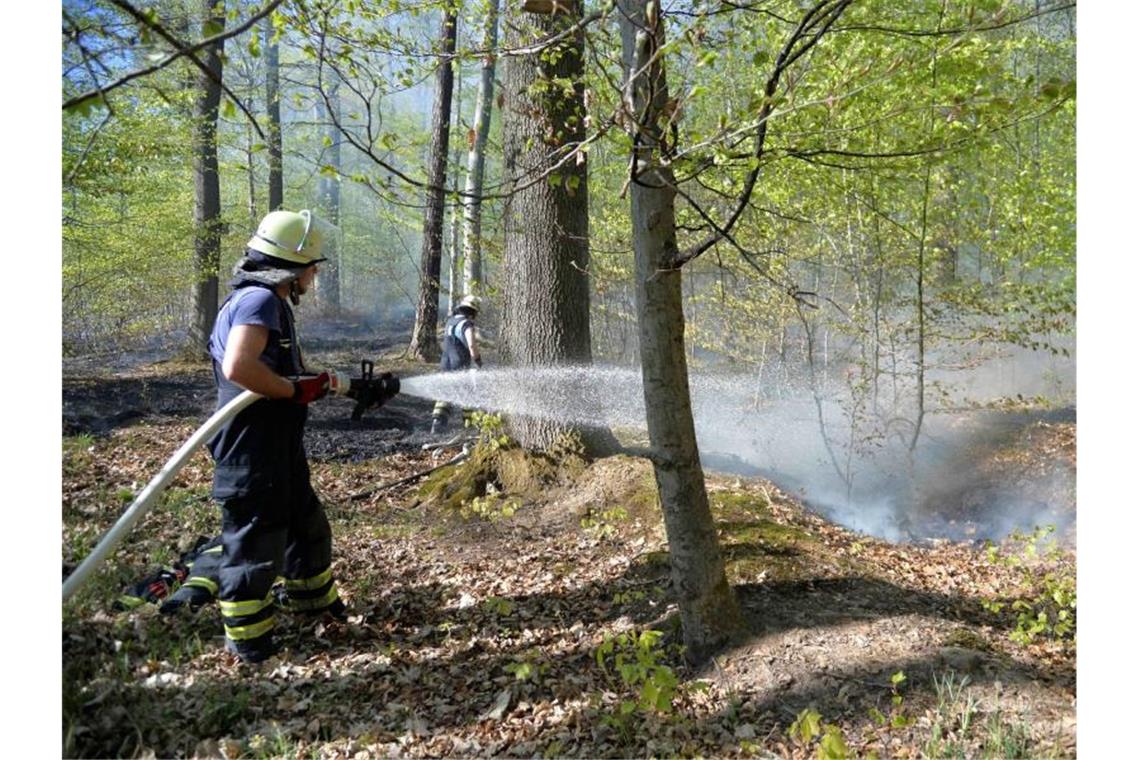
pixel 850 463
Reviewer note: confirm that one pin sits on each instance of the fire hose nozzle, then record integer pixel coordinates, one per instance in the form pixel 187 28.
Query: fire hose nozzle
pixel 370 390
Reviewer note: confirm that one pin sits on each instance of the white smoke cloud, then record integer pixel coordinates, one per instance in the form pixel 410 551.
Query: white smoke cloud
pixel 870 481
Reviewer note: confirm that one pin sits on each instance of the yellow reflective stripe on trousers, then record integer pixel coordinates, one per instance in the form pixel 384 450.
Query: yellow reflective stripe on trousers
pixel 200 582
pixel 309 584
pixel 214 550
pixel 241 609
pixel 304 605
pixel 252 631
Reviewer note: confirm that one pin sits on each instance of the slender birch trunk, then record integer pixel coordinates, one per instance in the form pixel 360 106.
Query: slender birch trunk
pixel 476 159
pixel 207 191
pixel 273 111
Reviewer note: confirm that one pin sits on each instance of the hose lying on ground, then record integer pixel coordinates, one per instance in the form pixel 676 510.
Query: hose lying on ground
pixel 143 502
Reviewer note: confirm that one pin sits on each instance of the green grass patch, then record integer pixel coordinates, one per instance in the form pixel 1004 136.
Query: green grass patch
pixel 737 504
pixel 768 533
pixel 759 547
pixel 81 445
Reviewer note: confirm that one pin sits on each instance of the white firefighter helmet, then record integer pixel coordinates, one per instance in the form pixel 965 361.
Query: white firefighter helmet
pixel 293 236
pixel 471 302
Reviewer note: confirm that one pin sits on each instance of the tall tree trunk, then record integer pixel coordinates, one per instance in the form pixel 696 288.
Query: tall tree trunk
pixel 546 286
pixel 454 258
pixel 207 194
pixel 329 189
pixel 472 203
pixel 251 177
pixel 710 614
pixel 273 111
pixel 424 345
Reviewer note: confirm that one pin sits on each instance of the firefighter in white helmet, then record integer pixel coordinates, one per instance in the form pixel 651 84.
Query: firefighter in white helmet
pixel 272 521
pixel 460 350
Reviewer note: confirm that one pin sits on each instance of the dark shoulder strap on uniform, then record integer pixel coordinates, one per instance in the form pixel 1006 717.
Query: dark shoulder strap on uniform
pixel 288 339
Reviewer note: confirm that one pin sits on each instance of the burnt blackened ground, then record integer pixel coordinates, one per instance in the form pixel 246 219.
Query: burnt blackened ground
pixel 97 401
pixel 400 425
pixel 96 404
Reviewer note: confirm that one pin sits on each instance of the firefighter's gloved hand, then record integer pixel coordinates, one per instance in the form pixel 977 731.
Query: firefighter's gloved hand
pixel 478 362
pixel 308 389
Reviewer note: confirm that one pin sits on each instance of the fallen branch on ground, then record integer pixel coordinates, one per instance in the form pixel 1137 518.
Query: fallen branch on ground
pixel 458 438
pixel 411 478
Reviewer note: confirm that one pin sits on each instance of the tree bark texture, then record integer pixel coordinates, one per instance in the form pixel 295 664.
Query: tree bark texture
pixel 328 281
pixel 710 614
pixel 425 345
pixel 476 159
pixel 273 111
pixel 546 285
pixel 454 255
pixel 207 193
pixel 251 176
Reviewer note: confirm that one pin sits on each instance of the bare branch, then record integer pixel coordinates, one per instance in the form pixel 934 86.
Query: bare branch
pixel 180 51
pixel 815 23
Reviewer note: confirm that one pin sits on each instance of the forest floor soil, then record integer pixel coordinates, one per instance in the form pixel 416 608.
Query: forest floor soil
pixel 487 635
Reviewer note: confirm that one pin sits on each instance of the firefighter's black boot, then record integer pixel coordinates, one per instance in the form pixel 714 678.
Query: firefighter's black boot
pixel 201 587
pixel 337 611
pixel 248 626
pixel 440 414
pixel 254 650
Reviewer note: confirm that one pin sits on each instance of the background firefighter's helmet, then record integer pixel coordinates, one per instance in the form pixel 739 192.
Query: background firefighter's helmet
pixel 293 236
pixel 470 302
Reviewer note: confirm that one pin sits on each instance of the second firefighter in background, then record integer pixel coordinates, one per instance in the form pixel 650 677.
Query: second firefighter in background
pixel 459 351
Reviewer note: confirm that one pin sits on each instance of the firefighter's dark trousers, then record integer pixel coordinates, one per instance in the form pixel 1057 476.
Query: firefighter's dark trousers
pixel 272 524
pixel 440 414
pixel 455 357
pixel 267 534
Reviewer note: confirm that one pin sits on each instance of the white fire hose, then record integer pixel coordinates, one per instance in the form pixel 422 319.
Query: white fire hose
pixel 143 502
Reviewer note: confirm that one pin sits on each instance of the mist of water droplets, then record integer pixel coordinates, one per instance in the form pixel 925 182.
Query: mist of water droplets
pixel 770 430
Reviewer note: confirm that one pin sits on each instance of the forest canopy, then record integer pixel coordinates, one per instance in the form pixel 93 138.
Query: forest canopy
pixel 929 141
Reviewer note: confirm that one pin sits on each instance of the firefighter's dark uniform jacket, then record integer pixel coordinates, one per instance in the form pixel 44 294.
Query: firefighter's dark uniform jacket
pixel 456 352
pixel 272 522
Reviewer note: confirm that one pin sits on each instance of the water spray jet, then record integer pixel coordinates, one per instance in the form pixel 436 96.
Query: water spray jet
pixel 773 432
